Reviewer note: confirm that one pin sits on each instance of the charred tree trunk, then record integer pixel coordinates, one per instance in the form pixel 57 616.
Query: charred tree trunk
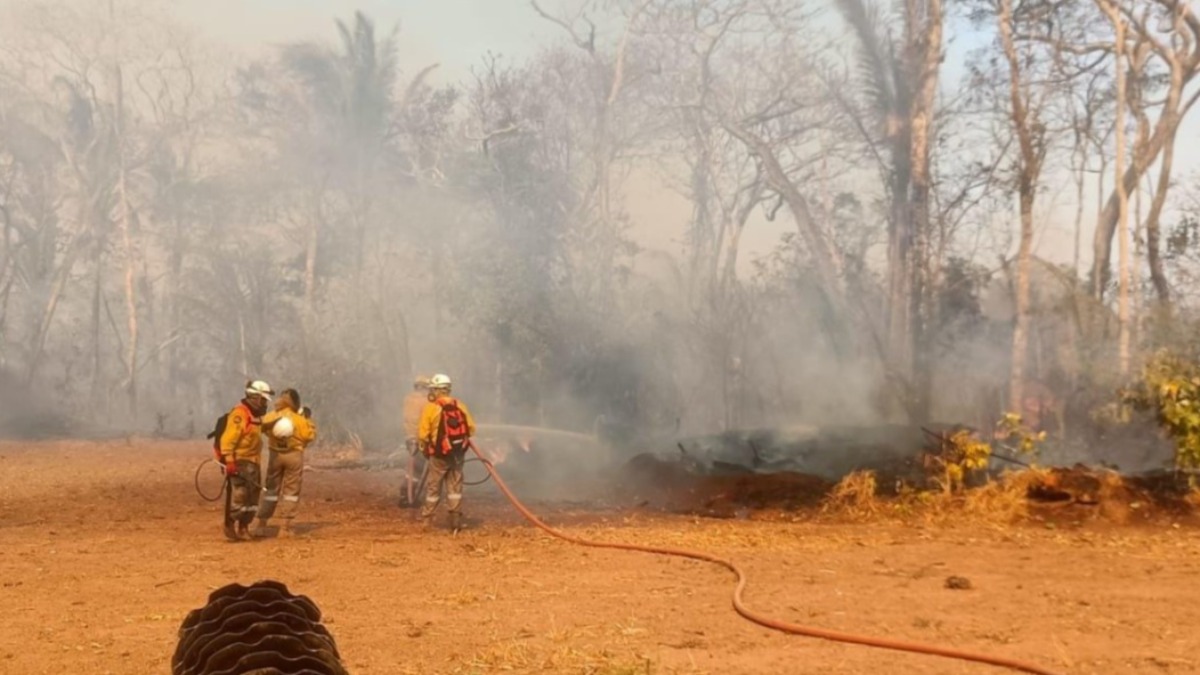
pixel 1079 152
pixel 1153 237
pixel 924 54
pixel 1098 279
pixel 899 265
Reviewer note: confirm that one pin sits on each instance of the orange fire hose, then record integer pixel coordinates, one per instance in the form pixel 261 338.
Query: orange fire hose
pixel 740 607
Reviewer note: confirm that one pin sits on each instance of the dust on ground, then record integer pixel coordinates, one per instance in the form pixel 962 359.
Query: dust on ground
pixel 105 547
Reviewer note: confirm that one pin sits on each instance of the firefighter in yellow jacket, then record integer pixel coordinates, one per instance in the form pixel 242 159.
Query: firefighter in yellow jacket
pixel 290 429
pixel 445 432
pixel 240 448
pixel 414 405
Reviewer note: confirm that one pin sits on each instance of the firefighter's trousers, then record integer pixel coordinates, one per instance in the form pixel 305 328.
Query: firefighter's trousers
pixel 446 469
pixel 244 487
pixel 284 476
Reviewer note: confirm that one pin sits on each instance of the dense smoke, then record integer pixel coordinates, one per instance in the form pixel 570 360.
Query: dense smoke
pixel 179 217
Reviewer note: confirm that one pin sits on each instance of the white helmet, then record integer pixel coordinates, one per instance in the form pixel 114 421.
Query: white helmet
pixel 439 381
pixel 259 388
pixel 283 428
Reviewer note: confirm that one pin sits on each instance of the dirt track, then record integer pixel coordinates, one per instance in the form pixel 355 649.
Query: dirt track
pixel 104 547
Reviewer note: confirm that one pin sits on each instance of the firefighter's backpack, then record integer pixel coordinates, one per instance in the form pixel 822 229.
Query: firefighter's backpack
pixel 453 432
pixel 222 422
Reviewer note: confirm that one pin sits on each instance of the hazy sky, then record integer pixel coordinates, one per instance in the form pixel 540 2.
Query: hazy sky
pixel 456 33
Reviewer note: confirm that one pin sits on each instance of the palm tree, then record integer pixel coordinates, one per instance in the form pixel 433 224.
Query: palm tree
pixel 347 95
pixel 350 114
pixel 349 88
pixel 893 111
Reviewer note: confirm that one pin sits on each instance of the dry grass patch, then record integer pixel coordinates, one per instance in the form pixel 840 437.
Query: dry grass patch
pixel 1004 500
pixel 854 496
pixel 561 635
pixel 466 596
pixel 503 655
pixel 1001 501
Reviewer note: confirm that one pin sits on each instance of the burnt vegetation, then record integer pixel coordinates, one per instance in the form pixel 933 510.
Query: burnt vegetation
pixel 865 231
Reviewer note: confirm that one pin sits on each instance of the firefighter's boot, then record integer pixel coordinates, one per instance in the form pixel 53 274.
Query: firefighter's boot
pixel 261 532
pixel 455 522
pixel 244 526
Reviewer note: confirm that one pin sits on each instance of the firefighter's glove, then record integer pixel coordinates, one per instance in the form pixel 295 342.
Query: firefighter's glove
pixel 231 467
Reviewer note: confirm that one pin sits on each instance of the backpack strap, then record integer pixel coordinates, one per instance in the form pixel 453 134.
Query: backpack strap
pixel 249 416
pixel 250 424
pixel 439 445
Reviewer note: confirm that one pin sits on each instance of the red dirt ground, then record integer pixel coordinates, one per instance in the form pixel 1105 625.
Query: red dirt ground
pixel 105 547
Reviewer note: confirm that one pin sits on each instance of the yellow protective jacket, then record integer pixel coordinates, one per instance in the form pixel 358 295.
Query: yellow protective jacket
pixel 414 405
pixel 242 438
pixel 304 431
pixel 431 419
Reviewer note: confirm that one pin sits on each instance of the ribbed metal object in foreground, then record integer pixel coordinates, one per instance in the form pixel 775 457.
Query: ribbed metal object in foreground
pixel 260 629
